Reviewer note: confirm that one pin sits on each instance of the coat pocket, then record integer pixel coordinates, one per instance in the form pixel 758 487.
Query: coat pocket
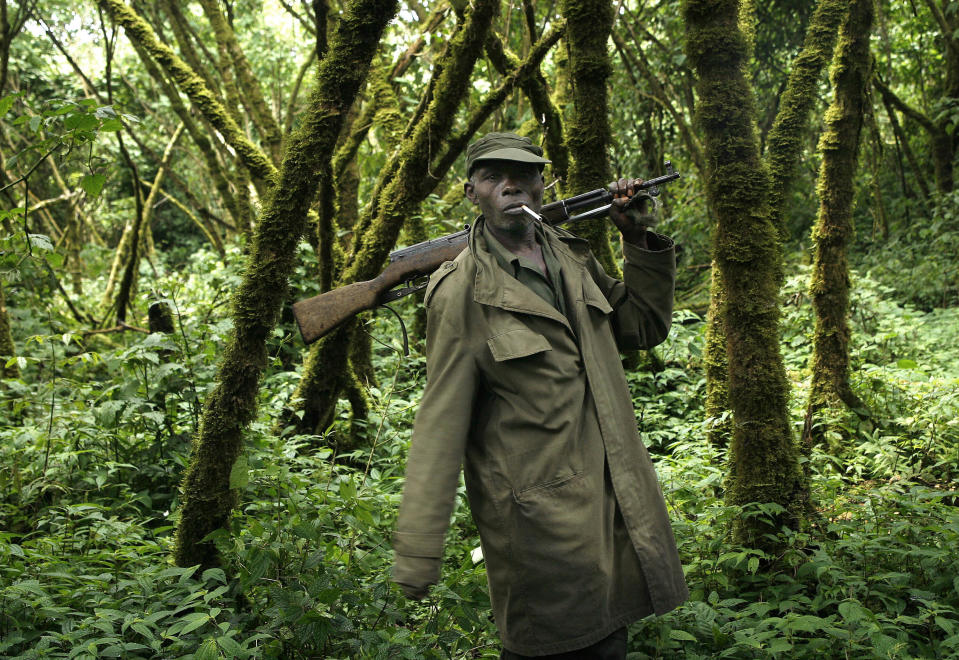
pixel 593 296
pixel 521 342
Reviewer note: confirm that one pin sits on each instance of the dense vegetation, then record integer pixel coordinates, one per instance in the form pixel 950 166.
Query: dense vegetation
pixel 98 416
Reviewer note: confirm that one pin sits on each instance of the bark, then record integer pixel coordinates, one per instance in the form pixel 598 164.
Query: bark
pixel 784 143
pixel 763 461
pixel 717 365
pixel 943 150
pixel 633 57
pixel 829 286
pixel 588 134
pixel 185 37
pixel 401 187
pixel 193 86
pixel 903 143
pixel 208 498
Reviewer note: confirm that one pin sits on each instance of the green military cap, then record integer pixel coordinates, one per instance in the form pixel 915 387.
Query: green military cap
pixel 503 146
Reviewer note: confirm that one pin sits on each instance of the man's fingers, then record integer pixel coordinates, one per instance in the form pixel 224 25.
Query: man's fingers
pixel 625 187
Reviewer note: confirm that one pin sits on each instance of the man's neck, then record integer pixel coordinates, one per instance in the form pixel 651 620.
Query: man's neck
pixel 521 244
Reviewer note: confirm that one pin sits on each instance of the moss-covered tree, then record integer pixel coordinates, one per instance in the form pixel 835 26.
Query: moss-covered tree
pixel 587 132
pixel 829 286
pixel 763 464
pixel 194 87
pixel 784 148
pixel 208 495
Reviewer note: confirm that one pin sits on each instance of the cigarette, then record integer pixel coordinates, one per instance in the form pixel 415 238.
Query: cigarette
pixel 531 213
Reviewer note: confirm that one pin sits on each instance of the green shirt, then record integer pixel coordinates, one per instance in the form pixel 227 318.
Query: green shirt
pixel 549 287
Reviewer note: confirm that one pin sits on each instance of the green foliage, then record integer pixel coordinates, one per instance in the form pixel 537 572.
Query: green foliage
pixel 919 263
pixel 89 502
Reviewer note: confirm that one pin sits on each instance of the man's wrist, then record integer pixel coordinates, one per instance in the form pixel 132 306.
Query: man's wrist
pixel 636 237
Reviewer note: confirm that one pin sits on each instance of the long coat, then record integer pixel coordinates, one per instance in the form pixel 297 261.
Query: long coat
pixel 572 521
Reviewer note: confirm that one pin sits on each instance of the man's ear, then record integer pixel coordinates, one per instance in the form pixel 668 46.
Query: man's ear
pixel 470 193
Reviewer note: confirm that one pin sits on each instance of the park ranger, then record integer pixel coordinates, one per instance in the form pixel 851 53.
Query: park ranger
pixel 525 390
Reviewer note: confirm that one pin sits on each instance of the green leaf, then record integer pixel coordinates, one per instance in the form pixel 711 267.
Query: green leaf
pixel 681 635
pixel 807 623
pixel 35 123
pixel 55 259
pixel 208 651
pixel 6 103
pixel 906 363
pixel 194 621
pixel 851 611
pixel 80 122
pixel 92 184
pixel 780 645
pixel 240 473
pixel 143 630
pixel 111 125
pixel 231 648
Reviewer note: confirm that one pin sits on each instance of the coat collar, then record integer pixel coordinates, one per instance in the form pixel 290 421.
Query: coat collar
pixel 495 287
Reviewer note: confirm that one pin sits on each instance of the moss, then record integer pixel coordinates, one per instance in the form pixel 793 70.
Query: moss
pixel 193 86
pixel 763 454
pixel 198 136
pixel 717 366
pixel 587 130
pixel 208 498
pixel 829 284
pixel 785 139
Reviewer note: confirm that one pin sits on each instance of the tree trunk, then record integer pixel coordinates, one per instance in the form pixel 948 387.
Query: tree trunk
pixel 717 367
pixel 130 246
pixel 405 181
pixel 802 89
pixel 208 496
pixel 588 136
pixel 249 87
pixel 763 462
pixel 783 152
pixel 829 287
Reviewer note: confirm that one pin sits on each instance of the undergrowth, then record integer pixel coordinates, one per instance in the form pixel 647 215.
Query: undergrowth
pixel 97 430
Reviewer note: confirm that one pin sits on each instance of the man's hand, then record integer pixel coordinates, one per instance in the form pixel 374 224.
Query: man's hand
pixel 628 222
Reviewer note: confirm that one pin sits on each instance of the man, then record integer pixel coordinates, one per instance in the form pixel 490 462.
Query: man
pixel 524 382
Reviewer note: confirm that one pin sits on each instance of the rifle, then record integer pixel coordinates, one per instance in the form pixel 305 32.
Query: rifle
pixel 412 265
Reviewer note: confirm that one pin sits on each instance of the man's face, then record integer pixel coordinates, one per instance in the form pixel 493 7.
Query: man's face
pixel 500 188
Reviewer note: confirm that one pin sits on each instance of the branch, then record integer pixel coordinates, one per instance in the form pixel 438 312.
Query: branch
pixel 497 96
pixel 137 29
pixel 890 97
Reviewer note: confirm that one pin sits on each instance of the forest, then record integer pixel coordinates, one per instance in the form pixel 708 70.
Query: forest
pixel 181 476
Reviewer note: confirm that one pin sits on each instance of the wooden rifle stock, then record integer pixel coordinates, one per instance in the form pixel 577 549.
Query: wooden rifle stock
pixel 318 315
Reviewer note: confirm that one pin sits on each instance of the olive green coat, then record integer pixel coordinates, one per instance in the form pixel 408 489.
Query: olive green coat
pixel 572 522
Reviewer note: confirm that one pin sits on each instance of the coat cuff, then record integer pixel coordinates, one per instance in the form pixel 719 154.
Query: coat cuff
pixel 655 243
pixel 418 544
pixel 416 572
